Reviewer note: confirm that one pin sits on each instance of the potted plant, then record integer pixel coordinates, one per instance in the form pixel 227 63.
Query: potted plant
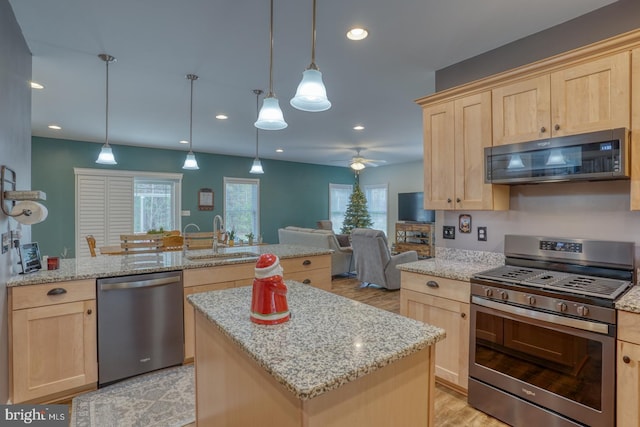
pixel 232 237
pixel 250 237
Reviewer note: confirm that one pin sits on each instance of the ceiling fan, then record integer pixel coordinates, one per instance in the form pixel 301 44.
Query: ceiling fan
pixel 357 162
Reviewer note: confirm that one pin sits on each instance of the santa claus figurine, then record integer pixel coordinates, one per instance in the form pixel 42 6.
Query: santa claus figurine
pixel 269 298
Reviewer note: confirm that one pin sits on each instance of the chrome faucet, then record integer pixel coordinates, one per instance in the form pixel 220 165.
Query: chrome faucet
pixel 184 232
pixel 217 218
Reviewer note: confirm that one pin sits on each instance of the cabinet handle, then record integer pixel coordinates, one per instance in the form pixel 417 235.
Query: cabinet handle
pixel 433 284
pixel 543 129
pixel 458 200
pixel 306 262
pixel 557 127
pixel 57 291
pixel 306 281
pixel 626 359
pixel 89 311
pixel 463 315
pixel 448 200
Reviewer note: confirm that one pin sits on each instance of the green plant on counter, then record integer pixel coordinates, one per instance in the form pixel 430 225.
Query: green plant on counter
pixel 154 231
pixel 232 234
pixel 250 237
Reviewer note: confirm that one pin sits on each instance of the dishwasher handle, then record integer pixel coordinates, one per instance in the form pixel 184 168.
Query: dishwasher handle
pixel 139 284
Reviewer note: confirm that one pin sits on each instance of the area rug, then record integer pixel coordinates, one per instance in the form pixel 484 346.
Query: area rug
pixel 164 398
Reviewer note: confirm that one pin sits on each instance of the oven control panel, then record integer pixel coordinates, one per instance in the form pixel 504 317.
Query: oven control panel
pixel 545 303
pixel 559 246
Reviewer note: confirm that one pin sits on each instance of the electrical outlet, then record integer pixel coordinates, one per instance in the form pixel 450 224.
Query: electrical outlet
pixel 482 234
pixel 6 241
pixel 448 232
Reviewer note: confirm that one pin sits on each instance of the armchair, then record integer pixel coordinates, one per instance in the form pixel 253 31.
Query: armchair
pixel 373 260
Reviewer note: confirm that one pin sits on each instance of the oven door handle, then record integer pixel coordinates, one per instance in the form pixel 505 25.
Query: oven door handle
pixel 585 325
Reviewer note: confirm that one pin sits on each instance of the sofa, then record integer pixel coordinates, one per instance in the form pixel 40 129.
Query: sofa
pixel 341 258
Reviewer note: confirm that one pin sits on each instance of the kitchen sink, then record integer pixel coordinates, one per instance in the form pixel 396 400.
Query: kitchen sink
pixel 221 256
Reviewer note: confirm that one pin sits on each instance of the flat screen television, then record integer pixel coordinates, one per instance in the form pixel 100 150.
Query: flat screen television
pixel 410 208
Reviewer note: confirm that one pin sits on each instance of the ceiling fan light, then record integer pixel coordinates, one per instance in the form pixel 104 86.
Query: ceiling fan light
pixel 270 117
pixel 357 166
pixel 311 94
pixel 256 167
pixel 106 156
pixel 190 162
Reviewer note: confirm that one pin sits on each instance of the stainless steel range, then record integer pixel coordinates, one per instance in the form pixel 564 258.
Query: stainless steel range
pixel 543 330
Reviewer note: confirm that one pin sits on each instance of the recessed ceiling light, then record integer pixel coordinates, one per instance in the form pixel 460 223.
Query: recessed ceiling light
pixel 357 34
pixel 279 150
pixel 36 85
pixel 358 127
pixel 222 117
pixel 55 127
pixel 183 141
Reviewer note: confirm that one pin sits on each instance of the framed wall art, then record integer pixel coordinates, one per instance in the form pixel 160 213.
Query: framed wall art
pixel 205 199
pixel 464 223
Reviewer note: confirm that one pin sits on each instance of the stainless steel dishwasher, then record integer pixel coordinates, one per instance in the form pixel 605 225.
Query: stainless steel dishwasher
pixel 140 324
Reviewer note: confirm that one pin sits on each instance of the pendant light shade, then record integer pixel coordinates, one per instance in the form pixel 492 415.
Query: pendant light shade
pixel 190 162
pixel 106 154
pixel 256 167
pixel 311 94
pixel 270 116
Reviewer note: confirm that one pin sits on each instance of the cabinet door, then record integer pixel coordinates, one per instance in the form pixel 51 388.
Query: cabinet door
pixel 628 375
pixel 452 353
pixel 439 174
pixel 54 349
pixel 472 135
pixel 635 125
pixel 189 330
pixel 591 96
pixel 521 111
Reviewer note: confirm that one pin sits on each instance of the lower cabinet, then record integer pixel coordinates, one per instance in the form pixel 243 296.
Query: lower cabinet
pixel 310 270
pixel 444 303
pixel 52 340
pixel 628 370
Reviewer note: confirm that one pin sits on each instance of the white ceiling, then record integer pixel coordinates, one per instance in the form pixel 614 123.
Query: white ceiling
pixel 226 43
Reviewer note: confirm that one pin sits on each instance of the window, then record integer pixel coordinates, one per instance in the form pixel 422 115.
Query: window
pixel 242 206
pixel 114 202
pixel 154 204
pixel 339 195
pixel 377 205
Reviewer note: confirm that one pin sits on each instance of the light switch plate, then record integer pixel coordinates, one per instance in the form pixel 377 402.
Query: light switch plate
pixel 6 241
pixel 448 232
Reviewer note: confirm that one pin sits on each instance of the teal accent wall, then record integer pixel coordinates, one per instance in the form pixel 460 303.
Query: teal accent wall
pixel 290 193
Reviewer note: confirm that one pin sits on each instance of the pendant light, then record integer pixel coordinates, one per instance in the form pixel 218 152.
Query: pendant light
pixel 106 154
pixel 190 162
pixel 270 116
pixel 256 167
pixel 311 94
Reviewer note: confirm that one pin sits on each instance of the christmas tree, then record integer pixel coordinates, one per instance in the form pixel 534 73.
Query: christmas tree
pixel 357 215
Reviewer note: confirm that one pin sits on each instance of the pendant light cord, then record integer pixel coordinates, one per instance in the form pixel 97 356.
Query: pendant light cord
pixel 271 55
pixel 192 78
pixel 106 126
pixel 258 92
pixel 313 65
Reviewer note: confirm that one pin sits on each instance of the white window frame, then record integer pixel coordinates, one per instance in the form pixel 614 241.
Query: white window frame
pixel 110 238
pixel 251 181
pixel 337 226
pixel 367 189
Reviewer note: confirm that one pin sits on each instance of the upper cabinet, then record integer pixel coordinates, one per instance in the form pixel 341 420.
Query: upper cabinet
pixel 635 133
pixel 455 135
pixel 590 96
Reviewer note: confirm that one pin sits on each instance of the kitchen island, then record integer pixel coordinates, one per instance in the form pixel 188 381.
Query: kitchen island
pixel 337 362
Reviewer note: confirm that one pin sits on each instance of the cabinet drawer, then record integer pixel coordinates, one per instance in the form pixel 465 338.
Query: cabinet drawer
pixel 629 326
pixel 293 265
pixel 437 286
pixel 223 273
pixel 320 278
pixel 52 293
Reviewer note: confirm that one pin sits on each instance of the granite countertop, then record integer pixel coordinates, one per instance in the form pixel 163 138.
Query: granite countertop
pixel 123 265
pixel 458 264
pixel 630 301
pixel 329 341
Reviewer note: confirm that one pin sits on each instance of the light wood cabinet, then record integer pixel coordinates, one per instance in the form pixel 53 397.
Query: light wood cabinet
pixel 311 270
pixel 52 340
pixel 593 95
pixel 635 126
pixel 628 370
pixel 444 303
pixel 415 237
pixel 455 135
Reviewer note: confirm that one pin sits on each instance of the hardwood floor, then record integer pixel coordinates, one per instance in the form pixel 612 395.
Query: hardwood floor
pixel 451 408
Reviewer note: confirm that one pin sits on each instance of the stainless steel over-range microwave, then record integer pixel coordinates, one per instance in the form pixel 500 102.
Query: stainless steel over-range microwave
pixel 591 156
